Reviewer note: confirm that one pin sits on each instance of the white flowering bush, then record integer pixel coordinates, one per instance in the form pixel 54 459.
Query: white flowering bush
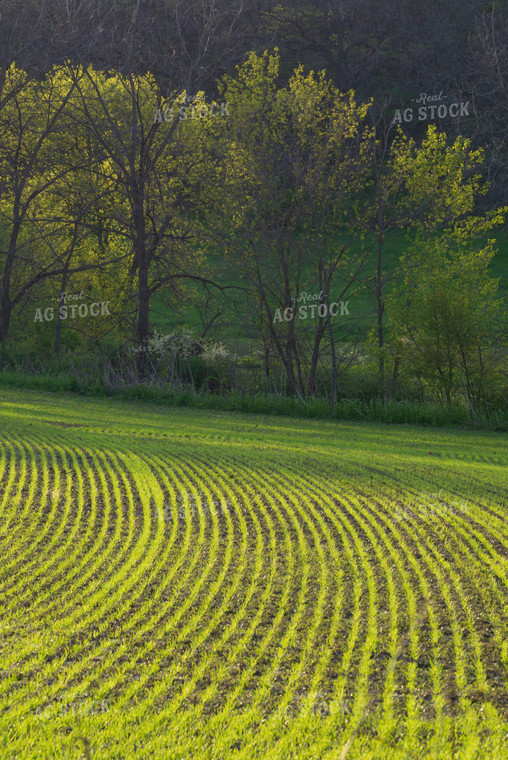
pixel 172 345
pixel 215 353
pixel 182 359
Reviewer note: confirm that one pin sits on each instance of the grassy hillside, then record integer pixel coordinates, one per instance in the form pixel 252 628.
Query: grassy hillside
pixel 173 313
pixel 191 584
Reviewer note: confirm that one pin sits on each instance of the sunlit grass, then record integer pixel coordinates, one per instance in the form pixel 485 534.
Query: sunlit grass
pixel 186 583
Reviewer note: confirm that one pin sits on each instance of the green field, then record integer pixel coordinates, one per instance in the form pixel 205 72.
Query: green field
pixel 186 583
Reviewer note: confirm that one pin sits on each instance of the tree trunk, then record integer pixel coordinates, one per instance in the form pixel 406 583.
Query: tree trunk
pixel 58 331
pixel 340 32
pixel 311 388
pixel 380 310
pixel 143 316
pixel 6 304
pixel 5 317
pixel 334 388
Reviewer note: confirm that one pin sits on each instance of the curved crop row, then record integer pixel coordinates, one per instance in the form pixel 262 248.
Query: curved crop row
pixel 202 594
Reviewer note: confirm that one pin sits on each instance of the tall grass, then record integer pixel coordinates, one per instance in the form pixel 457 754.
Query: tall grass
pixel 376 410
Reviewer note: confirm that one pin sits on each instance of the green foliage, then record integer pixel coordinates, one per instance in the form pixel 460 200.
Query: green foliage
pixel 296 166
pixel 101 194
pixel 442 181
pixel 448 321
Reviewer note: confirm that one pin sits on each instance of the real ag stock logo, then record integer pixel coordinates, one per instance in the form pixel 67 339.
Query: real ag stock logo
pixel 311 306
pixel 431 505
pixel 72 306
pixel 190 108
pixel 431 108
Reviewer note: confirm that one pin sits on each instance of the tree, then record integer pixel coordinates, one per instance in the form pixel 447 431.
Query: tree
pixel 183 43
pixel 382 217
pixel 296 169
pixel 449 322
pixel 45 199
pixel 30 166
pixel 420 188
pixel 489 81
pixel 157 164
pixel 398 47
pixel 440 184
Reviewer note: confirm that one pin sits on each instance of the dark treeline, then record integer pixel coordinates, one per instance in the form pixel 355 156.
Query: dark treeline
pixel 391 50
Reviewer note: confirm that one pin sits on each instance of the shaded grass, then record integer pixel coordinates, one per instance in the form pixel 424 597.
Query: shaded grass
pixel 390 412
